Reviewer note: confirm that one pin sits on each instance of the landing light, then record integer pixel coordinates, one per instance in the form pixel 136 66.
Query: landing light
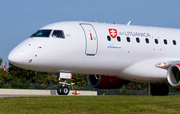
pixel 166 65
pixel 162 64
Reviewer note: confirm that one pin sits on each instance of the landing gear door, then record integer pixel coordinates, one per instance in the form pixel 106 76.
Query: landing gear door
pixel 91 39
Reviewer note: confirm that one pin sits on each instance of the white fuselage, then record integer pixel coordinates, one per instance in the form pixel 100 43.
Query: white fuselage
pixel 86 50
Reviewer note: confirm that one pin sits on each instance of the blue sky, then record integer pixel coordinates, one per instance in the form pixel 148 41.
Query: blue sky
pixel 20 18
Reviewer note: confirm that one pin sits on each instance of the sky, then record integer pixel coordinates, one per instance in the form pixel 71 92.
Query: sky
pixel 21 18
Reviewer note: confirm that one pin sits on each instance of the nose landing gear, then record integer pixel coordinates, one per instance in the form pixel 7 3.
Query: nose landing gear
pixel 63 89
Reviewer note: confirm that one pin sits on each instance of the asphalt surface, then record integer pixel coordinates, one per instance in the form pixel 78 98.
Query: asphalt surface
pixel 3 96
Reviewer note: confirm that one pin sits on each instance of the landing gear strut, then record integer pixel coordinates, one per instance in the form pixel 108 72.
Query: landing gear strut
pixel 63 89
pixel 159 90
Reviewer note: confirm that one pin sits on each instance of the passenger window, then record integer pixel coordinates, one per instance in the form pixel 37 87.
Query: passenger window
pixel 137 40
pixel 108 38
pixel 58 34
pixel 174 42
pixel 156 41
pixel 165 41
pixel 147 40
pixel 128 39
pixel 118 39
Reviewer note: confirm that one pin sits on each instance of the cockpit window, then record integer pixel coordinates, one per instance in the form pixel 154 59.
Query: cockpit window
pixel 42 33
pixel 58 34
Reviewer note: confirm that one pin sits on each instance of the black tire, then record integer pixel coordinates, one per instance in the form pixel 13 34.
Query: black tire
pixel 65 90
pixel 59 90
pixel 164 90
pixel 155 90
pixel 159 90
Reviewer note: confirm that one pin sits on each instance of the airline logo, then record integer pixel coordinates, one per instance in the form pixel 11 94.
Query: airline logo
pixel 113 32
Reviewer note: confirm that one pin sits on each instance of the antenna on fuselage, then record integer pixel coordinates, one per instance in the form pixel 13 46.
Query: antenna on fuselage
pixel 129 23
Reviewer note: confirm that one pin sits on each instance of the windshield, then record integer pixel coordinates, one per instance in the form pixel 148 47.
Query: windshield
pixel 58 34
pixel 41 33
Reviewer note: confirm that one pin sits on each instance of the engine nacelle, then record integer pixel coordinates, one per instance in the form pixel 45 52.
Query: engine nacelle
pixel 105 82
pixel 173 75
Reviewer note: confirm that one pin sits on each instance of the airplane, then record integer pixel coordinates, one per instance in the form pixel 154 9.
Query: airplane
pixel 108 53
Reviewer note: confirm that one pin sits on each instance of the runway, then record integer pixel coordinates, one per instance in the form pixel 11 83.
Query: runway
pixel 39 93
pixel 3 96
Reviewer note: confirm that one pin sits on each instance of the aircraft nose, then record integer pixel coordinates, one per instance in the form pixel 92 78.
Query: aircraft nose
pixel 15 56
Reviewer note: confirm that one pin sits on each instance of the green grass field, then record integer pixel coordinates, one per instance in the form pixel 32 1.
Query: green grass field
pixel 91 104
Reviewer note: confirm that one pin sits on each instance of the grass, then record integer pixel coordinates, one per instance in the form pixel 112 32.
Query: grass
pixel 91 105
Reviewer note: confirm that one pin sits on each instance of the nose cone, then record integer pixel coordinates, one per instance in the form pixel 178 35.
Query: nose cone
pixel 14 56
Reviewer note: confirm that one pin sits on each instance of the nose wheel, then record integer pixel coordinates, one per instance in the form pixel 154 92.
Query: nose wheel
pixel 63 90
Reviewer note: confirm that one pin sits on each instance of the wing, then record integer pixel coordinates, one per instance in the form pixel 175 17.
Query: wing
pixel 151 70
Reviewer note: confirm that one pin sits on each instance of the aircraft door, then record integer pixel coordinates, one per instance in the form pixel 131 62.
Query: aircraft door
pixel 91 39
